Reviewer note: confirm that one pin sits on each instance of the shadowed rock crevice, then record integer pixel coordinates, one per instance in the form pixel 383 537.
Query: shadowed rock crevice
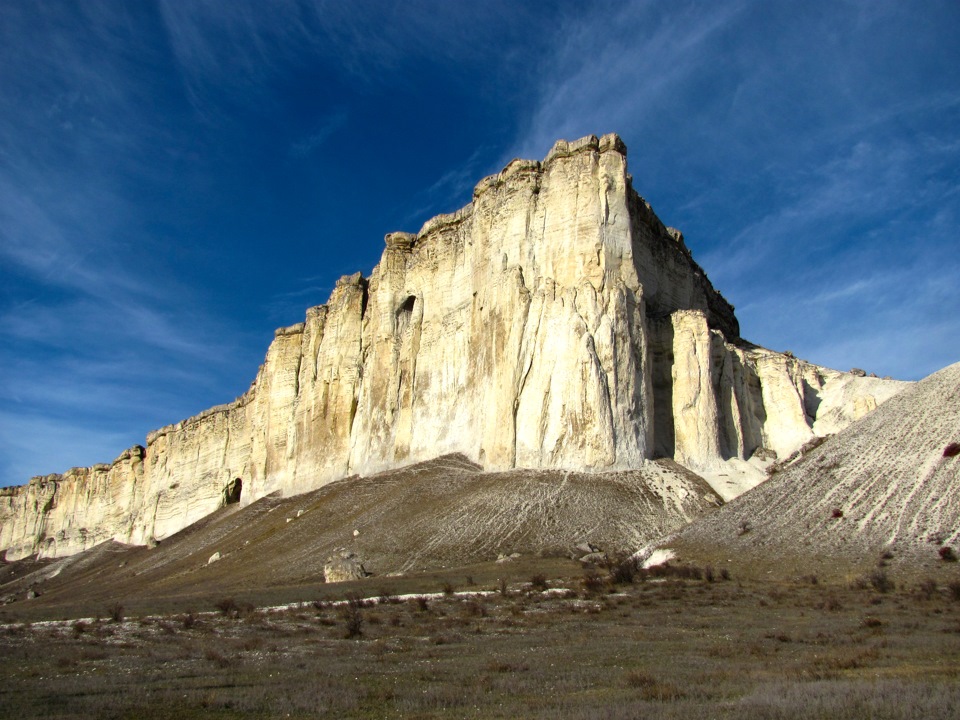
pixel 232 492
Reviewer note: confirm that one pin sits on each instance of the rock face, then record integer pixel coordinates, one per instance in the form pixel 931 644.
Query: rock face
pixel 343 566
pixel 554 322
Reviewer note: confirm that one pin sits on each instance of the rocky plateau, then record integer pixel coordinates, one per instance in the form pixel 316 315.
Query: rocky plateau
pixel 552 325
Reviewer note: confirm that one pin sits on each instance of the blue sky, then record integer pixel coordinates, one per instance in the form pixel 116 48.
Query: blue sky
pixel 178 178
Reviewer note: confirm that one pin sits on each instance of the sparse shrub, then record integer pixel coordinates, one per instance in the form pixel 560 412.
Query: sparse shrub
pixel 353 617
pixel 744 528
pixel 593 582
pixel 881 582
pixel 831 604
pixel 539 582
pixel 954 588
pixel 469 580
pixel 188 620
pixel 947 554
pixel 927 589
pixel 691 572
pixel 651 688
pixel 474 608
pixel 216 657
pixel 837 513
pixel 448 588
pixel 872 622
pixel 252 643
pixel 115 612
pixel 624 571
pixel 724 574
pixel 420 603
pixel 504 666
pixel 708 574
pixel 502 587
pixel 79 628
pixel 951 450
pixel 228 607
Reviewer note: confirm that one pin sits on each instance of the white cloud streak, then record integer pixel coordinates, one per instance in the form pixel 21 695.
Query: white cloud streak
pixel 812 166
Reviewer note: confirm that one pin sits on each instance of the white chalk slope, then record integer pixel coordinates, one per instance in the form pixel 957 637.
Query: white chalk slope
pixel 883 482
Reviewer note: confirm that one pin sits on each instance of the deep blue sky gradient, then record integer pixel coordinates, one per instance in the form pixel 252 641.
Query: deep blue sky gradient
pixel 178 178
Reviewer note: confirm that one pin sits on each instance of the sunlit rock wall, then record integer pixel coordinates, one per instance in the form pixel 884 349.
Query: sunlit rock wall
pixel 554 322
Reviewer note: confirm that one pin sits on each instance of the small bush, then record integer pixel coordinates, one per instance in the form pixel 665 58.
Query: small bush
pixel 228 607
pixel 420 604
pixel 872 622
pixel 954 588
pixel 724 574
pixel 189 620
pixel 837 513
pixel 624 572
pixel 830 604
pixel 353 618
pixel 502 587
pixel 744 528
pixel 708 574
pixel 593 582
pixel 216 657
pixel 880 582
pixel 927 589
pixel 448 588
pixel 690 572
pixel 951 450
pixel 947 554
pixel 539 582
pixel 651 688
pixel 79 628
pixel 115 612
pixel 474 608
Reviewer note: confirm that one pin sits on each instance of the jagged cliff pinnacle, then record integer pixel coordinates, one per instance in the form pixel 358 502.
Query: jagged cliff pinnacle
pixel 554 322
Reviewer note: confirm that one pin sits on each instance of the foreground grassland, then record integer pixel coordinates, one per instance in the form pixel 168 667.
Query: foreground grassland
pixel 659 647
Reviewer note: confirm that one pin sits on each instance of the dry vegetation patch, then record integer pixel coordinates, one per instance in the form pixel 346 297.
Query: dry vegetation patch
pixel 669 644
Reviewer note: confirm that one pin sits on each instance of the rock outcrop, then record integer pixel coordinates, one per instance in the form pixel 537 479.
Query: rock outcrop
pixel 554 323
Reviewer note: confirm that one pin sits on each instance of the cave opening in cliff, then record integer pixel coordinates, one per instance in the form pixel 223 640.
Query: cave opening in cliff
pixel 231 493
pixel 404 314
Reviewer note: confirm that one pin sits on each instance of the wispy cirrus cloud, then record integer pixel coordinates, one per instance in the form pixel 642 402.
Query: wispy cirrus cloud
pixel 320 134
pixel 812 166
pixel 82 281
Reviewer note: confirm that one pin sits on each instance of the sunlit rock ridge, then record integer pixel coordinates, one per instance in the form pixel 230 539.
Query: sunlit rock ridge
pixel 553 322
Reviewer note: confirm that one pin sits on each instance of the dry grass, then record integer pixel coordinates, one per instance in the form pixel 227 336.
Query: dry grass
pixel 675 645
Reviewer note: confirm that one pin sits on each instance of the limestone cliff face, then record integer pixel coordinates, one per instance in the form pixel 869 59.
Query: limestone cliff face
pixel 554 322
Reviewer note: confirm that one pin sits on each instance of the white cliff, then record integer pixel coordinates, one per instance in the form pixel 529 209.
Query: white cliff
pixel 554 322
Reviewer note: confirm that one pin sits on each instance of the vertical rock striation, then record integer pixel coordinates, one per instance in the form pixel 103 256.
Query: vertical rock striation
pixel 554 322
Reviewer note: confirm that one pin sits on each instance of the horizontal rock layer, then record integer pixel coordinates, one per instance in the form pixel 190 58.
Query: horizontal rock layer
pixel 554 322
